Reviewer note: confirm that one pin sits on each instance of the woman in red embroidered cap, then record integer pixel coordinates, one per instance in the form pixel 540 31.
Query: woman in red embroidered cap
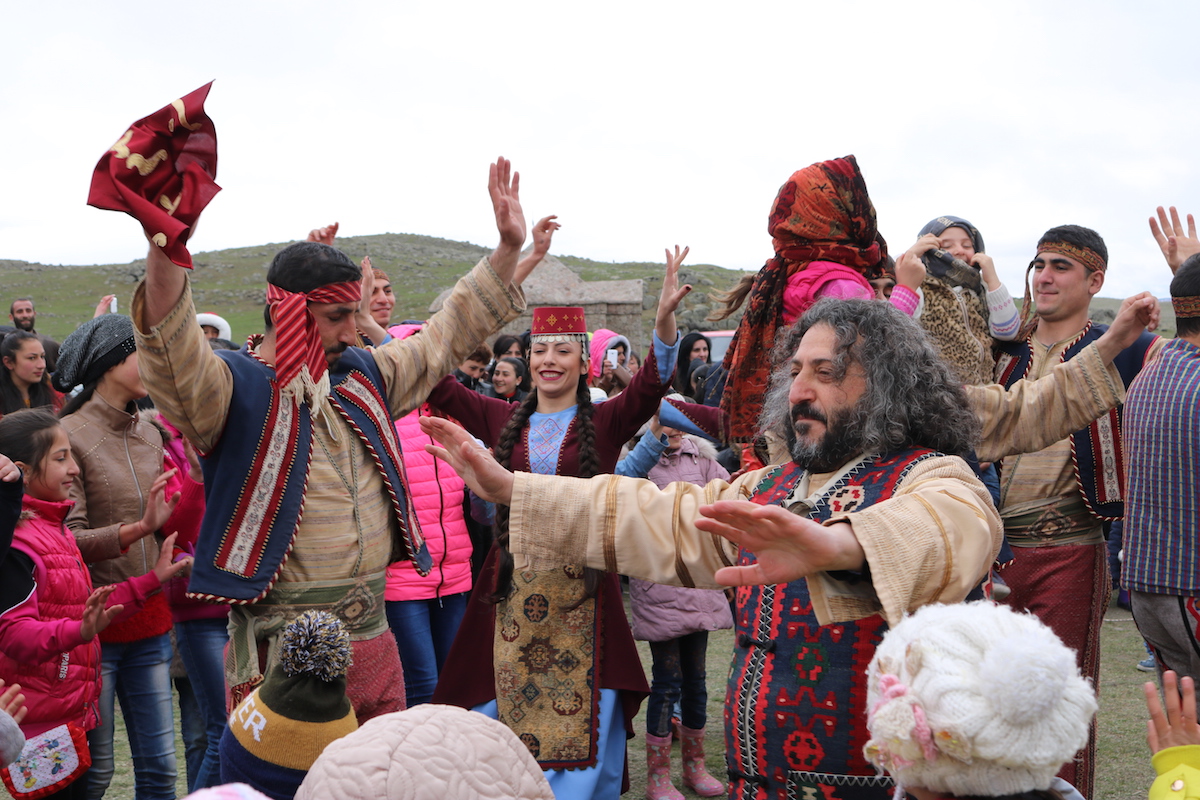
pixel 537 648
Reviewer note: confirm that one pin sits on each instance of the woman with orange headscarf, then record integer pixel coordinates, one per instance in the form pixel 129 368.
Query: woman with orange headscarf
pixel 822 225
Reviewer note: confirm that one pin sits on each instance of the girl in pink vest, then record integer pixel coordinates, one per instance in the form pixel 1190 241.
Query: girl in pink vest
pixel 50 615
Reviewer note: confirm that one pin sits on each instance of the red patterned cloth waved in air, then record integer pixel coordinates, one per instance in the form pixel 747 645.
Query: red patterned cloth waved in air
pixel 822 213
pixel 162 172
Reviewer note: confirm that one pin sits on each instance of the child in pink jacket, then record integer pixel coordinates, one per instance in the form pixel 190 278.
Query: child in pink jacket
pixel 49 614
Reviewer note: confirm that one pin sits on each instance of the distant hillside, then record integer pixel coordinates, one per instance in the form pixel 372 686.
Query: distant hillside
pixel 231 282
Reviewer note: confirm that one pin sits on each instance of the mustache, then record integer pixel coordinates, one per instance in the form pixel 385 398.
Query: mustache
pixel 808 412
pixel 338 348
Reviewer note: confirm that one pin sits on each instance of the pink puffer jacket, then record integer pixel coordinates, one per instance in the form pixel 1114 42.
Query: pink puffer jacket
pixel 437 495
pixel 40 643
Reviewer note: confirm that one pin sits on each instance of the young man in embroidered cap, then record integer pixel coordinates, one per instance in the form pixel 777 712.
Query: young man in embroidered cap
pixel 301 421
pixel 1055 501
pixel 1162 545
pixel 874 504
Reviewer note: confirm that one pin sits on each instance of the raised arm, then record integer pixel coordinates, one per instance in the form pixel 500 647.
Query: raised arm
pixel 163 288
pixel 1071 396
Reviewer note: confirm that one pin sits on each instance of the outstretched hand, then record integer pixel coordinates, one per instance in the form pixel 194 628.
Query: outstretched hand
pixel 670 297
pixel 786 546
pixel 324 235
pixel 475 465
pixel 95 616
pixel 1176 246
pixel 1176 726
pixel 12 702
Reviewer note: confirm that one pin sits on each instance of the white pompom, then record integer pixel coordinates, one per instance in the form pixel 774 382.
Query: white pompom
pixel 1025 678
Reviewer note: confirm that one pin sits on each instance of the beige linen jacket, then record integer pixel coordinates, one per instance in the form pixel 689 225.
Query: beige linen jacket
pixel 931 542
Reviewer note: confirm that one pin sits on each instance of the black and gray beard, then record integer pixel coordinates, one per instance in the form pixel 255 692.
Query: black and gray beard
pixel 835 448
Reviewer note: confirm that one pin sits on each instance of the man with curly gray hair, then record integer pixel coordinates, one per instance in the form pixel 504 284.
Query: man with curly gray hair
pixel 872 514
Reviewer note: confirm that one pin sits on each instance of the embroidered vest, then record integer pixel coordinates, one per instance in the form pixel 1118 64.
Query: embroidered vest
pixel 795 719
pixel 1096 450
pixel 255 478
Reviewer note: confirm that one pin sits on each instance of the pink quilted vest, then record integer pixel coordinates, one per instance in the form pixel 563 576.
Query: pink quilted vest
pixel 437 494
pixel 66 688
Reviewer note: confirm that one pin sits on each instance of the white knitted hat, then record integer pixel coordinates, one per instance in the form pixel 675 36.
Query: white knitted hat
pixel 975 699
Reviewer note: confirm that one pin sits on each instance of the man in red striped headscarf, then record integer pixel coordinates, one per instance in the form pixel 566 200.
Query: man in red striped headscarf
pixel 307 497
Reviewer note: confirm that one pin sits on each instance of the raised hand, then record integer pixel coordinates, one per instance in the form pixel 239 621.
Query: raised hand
pixel 543 232
pixel 1136 315
pixel 670 297
pixel 95 616
pixel 786 546
pixel 1176 246
pixel 1176 726
pixel 324 235
pixel 167 567
pixel 987 268
pixel 910 269
pixel 469 459
pixel 12 702
pixel 159 508
pixel 504 187
pixel 104 306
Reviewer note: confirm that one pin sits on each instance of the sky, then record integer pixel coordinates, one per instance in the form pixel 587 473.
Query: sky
pixel 640 124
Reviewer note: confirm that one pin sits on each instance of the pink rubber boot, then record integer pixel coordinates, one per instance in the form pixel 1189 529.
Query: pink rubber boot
pixel 695 774
pixel 658 769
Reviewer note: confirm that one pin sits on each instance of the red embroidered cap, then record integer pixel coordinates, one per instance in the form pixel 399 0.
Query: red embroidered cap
pixel 162 172
pixel 559 324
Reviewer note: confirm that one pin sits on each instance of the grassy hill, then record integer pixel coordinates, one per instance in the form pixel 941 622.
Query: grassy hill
pixel 231 282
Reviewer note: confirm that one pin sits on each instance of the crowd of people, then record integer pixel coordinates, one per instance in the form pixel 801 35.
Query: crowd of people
pixel 375 546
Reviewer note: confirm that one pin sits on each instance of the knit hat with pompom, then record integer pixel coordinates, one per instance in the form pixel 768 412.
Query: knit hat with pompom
pixel 974 699
pixel 278 731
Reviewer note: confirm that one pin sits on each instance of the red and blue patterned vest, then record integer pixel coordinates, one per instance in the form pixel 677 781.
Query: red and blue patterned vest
pixel 795 709
pixel 256 475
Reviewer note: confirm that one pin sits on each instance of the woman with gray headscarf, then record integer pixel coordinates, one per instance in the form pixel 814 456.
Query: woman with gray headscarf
pixel 123 499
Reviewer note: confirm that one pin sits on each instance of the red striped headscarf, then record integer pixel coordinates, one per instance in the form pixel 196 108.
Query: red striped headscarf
pixel 297 340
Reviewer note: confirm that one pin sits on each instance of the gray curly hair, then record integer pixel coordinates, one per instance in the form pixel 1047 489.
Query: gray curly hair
pixel 911 400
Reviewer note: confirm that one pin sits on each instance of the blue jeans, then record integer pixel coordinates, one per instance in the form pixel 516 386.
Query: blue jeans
pixel 424 631
pixel 202 648
pixel 678 674
pixel 191 728
pixel 138 673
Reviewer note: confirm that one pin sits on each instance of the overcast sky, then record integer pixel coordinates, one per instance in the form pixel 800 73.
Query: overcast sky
pixel 641 124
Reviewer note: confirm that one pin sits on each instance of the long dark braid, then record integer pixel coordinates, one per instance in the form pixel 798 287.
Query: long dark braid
pixel 589 465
